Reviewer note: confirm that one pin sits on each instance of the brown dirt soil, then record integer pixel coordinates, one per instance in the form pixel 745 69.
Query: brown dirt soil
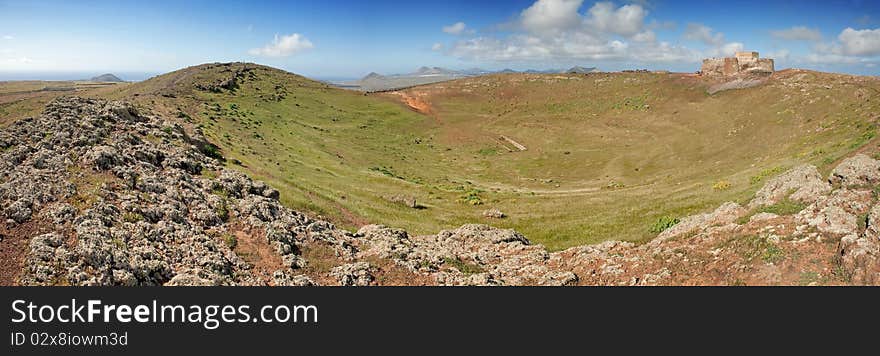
pixel 415 102
pixel 322 258
pixel 348 217
pixel 252 247
pixel 390 274
pixel 14 247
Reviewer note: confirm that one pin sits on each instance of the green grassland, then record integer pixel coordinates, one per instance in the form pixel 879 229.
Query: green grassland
pixel 607 155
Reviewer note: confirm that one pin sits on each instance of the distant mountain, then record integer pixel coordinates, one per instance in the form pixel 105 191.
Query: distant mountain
pixel 427 75
pixel 435 71
pixel 107 77
pixel 545 71
pixel 581 70
pixel 373 76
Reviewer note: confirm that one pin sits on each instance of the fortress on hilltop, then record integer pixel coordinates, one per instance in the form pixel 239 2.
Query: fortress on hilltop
pixel 741 63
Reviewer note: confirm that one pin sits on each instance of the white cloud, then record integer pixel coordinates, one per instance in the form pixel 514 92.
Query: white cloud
pixel 555 30
pixel 780 55
pixel 797 33
pixel 662 25
pixel 283 46
pixel 726 50
pixel 455 29
pixel 717 45
pixel 703 33
pixel 851 47
pixel 437 47
pixel 8 37
pixel 546 16
pixel 627 20
pixel 830 58
pixel 646 36
pixel 860 42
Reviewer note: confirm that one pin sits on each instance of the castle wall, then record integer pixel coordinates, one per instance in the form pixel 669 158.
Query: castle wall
pixel 720 66
pixel 743 63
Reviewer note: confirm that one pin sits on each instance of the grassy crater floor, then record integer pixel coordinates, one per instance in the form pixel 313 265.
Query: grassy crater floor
pixel 606 156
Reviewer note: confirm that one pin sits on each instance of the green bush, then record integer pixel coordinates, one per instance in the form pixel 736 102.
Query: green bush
pixel 211 150
pixel 664 223
pixel 230 240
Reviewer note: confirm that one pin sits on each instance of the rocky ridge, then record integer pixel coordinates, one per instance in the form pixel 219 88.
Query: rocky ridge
pixel 98 193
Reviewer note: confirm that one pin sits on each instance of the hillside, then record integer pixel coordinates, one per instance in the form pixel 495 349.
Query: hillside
pixel 607 156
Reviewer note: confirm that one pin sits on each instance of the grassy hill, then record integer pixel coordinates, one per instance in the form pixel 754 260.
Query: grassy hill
pixel 606 155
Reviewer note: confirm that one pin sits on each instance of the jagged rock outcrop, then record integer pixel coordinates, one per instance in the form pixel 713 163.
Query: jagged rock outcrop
pixel 802 183
pixel 129 204
pixel 860 254
pixel 724 215
pixel 859 170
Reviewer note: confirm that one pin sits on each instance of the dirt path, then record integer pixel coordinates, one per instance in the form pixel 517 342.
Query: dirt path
pixel 518 145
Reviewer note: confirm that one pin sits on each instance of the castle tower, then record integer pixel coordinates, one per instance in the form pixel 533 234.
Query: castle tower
pixel 746 56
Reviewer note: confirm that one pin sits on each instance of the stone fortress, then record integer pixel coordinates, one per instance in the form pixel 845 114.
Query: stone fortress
pixel 741 63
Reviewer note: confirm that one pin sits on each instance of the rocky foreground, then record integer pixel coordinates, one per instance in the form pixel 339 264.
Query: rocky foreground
pixel 96 193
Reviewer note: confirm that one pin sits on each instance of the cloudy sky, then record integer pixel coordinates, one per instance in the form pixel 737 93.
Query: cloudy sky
pixel 338 39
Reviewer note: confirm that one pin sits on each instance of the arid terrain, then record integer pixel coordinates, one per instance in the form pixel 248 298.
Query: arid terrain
pixel 239 174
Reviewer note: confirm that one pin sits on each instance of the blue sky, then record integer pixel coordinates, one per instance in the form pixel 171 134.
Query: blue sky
pixel 337 39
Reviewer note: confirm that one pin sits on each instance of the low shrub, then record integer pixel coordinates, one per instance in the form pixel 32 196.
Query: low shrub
pixel 664 223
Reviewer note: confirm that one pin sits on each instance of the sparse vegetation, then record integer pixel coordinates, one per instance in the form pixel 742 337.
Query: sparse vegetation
pixel 784 207
pixel 756 246
pixel 220 191
pixel 863 221
pixel 471 197
pixel 463 267
pixel 864 138
pixel 222 211
pixel 721 185
pixel 230 240
pixel 132 217
pixel 614 185
pixel 758 178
